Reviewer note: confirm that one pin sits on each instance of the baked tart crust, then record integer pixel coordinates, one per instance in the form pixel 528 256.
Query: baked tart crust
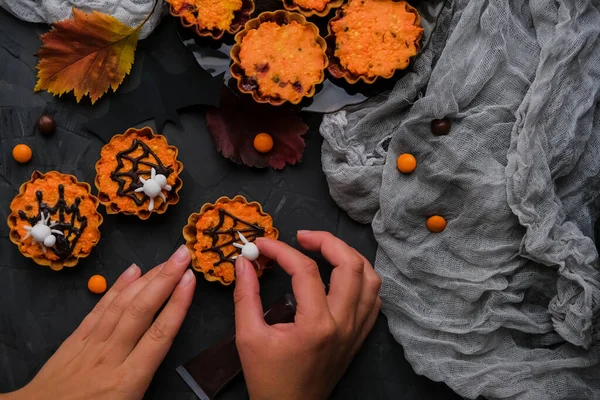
pixel 348 43
pixel 272 67
pixel 320 8
pixel 212 18
pixel 67 209
pixel 129 157
pixel 210 234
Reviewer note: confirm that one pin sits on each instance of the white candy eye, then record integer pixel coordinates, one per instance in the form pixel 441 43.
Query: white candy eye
pixel 50 241
pixel 161 180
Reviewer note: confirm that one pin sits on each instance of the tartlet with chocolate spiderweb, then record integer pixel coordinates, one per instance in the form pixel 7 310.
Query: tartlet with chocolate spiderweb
pixel 211 233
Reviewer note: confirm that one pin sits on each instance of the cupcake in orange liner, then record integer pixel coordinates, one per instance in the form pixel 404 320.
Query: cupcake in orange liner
pixel 320 8
pixel 213 240
pixel 394 25
pixel 54 220
pixel 279 57
pixel 212 18
pixel 138 174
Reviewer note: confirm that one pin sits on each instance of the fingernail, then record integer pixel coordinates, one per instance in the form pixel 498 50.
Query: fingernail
pixel 303 232
pixel 182 254
pixel 130 272
pixel 187 278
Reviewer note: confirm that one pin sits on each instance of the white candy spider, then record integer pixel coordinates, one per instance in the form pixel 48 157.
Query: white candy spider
pixel 249 250
pixel 153 187
pixel 42 233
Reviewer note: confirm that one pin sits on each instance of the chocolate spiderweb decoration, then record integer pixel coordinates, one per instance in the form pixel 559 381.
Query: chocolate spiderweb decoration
pixel 135 172
pixel 249 230
pixel 70 221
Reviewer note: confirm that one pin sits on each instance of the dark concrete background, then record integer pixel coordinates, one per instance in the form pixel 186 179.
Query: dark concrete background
pixel 39 308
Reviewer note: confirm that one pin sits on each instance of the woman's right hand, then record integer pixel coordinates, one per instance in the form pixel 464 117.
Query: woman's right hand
pixel 306 358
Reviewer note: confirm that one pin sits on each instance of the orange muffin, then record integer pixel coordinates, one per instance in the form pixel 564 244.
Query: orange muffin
pixel 210 235
pixel 138 174
pixel 394 26
pixel 54 220
pixel 213 17
pixel 312 7
pixel 279 57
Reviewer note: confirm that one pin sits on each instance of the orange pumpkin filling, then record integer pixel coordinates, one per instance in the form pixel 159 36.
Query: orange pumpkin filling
pixel 217 231
pixel 74 195
pixel 109 163
pixel 318 5
pixel 285 61
pixel 376 37
pixel 208 14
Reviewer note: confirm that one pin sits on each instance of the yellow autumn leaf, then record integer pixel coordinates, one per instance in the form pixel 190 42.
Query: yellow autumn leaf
pixel 86 54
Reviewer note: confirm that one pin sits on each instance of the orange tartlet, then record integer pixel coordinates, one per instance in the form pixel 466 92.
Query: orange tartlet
pixel 210 236
pixel 129 164
pixel 279 57
pixel 213 17
pixel 394 25
pixel 319 8
pixel 54 220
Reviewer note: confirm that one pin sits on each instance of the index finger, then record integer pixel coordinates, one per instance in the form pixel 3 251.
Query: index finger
pixel 306 281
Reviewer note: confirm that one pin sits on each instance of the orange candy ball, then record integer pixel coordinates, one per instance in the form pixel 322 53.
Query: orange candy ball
pixel 22 153
pixel 436 224
pixel 97 284
pixel 263 143
pixel 407 163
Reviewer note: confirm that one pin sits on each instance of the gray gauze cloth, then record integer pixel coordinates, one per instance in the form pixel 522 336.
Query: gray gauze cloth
pixel 130 12
pixel 505 302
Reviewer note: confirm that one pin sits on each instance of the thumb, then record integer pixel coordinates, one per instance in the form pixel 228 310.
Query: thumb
pixel 248 308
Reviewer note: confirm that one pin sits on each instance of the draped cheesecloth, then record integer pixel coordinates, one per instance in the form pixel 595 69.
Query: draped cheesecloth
pixel 130 12
pixel 505 302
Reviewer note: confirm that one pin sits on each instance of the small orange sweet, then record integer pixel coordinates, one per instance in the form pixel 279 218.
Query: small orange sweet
pixel 97 284
pixel 436 224
pixel 22 153
pixel 263 143
pixel 407 163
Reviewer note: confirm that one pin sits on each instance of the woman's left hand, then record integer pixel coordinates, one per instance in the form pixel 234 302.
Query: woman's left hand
pixel 117 348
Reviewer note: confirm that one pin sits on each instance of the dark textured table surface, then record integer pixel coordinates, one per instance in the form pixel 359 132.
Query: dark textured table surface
pixel 39 308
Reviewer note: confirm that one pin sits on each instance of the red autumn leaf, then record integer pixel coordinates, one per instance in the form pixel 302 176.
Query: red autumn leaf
pixel 234 125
